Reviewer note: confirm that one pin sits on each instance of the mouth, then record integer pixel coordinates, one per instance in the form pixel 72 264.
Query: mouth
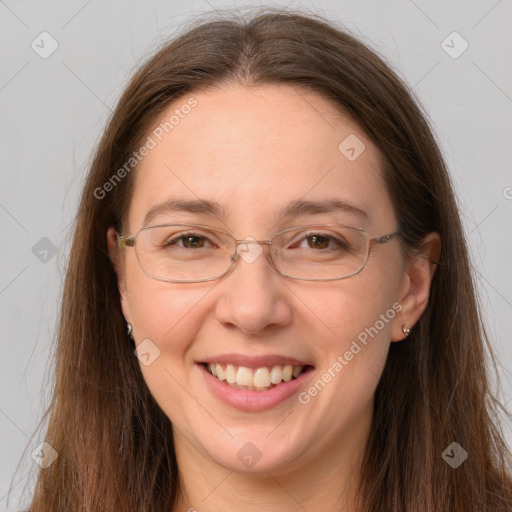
pixel 262 378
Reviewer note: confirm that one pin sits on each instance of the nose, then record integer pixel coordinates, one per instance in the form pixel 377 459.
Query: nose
pixel 253 295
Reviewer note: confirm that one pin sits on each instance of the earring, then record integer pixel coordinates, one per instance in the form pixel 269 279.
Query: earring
pixel 129 329
pixel 406 330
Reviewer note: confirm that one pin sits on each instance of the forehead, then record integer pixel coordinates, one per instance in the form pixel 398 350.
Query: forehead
pixel 255 150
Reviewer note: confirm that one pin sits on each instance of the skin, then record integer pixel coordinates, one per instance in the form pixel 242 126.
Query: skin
pixel 239 146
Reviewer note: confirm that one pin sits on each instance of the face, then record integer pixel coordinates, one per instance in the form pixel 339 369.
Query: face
pixel 253 152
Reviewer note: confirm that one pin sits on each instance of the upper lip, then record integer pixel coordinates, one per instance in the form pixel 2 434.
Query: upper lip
pixel 254 361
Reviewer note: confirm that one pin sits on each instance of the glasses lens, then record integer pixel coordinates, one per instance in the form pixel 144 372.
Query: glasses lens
pixel 182 253
pixel 322 252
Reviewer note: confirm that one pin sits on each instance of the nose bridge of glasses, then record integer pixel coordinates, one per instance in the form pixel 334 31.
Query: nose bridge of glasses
pixel 249 241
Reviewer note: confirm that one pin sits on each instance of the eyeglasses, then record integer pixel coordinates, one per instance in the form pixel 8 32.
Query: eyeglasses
pixel 188 253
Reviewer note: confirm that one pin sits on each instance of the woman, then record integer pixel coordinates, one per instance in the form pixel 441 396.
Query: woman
pixel 268 303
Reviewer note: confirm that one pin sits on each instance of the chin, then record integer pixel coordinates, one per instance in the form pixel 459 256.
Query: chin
pixel 254 453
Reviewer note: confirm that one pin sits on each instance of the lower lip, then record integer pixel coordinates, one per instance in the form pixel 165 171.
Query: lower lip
pixel 254 400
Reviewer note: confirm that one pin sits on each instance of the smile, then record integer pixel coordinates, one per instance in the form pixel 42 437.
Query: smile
pixel 254 379
pixel 254 383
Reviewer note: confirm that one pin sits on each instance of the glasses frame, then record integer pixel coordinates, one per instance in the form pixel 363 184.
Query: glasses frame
pixel 125 241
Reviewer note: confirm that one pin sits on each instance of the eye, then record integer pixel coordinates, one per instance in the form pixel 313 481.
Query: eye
pixel 190 241
pixel 323 241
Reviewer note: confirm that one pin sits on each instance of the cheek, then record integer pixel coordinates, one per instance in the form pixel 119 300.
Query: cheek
pixel 343 311
pixel 353 327
pixel 165 313
pixel 170 318
pixel 353 322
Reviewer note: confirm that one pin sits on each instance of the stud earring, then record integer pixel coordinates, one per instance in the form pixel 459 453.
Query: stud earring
pixel 406 330
pixel 129 329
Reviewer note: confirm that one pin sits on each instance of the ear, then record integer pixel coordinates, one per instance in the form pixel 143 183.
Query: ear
pixel 415 287
pixel 115 258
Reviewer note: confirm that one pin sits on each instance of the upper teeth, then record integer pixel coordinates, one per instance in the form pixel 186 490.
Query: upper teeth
pixel 254 377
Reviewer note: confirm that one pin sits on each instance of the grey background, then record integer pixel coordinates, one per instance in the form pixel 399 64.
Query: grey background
pixel 53 110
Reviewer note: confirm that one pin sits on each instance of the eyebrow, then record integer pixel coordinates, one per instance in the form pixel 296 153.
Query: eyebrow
pixel 213 208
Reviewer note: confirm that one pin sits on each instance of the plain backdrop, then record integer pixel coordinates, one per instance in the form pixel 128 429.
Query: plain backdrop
pixel 53 110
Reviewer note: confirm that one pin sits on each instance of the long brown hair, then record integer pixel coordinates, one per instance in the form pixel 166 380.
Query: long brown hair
pixel 115 444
